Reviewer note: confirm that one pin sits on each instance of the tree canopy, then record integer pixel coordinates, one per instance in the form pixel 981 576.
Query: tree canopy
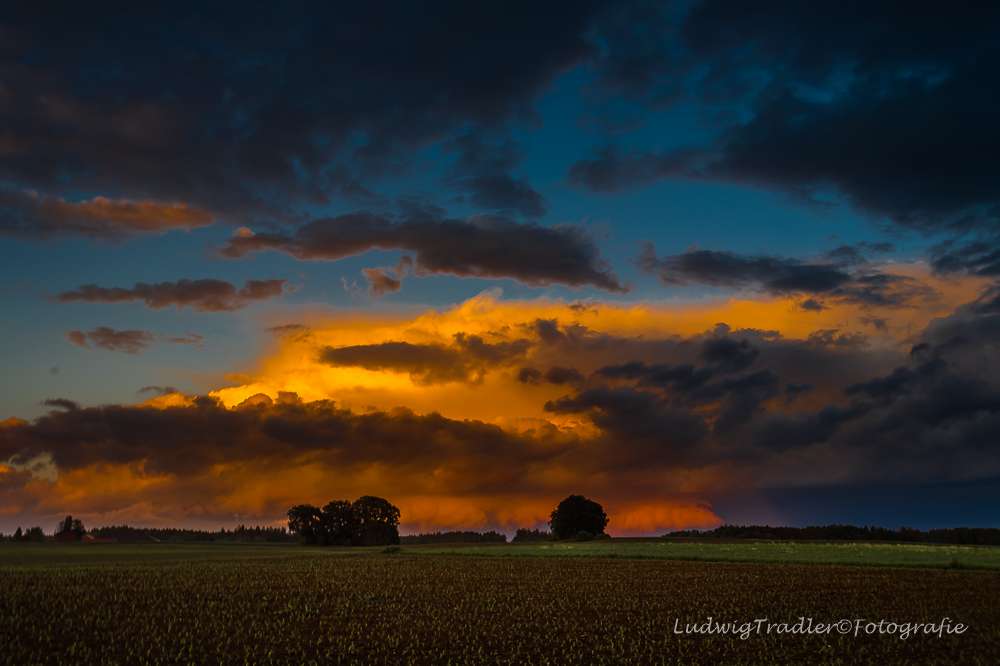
pixel 69 524
pixel 577 514
pixel 368 521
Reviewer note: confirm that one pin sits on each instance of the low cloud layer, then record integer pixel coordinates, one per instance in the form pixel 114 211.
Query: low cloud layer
pixel 482 246
pixel 843 275
pixel 200 295
pixel 427 463
pixel 464 361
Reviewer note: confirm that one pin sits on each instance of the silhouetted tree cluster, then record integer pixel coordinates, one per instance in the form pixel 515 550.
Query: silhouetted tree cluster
pixel 368 521
pixel 525 535
pixel 454 537
pixel 33 534
pixel 972 536
pixel 577 514
pixel 71 525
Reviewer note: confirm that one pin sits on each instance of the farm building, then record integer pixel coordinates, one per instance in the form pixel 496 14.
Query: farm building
pixel 67 536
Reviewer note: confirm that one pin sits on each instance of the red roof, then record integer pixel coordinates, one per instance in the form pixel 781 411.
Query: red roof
pixel 91 539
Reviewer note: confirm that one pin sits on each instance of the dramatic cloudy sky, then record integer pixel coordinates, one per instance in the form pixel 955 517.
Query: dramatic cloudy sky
pixel 702 262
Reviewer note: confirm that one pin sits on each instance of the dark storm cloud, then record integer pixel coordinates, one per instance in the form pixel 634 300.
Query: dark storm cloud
pixel 481 170
pixel 844 275
pixel 427 364
pixel 190 440
pixel 505 193
pixel 728 401
pixel 735 382
pixel 130 342
pixel 931 416
pixel 937 415
pixel 812 305
pixel 892 111
pixel 634 417
pixel 200 295
pixel 728 355
pixel 794 389
pixel 721 355
pixel 832 337
pixel 250 113
pixel 737 388
pixel 465 361
pixel 572 338
pixel 483 246
pixel 978 257
pixel 556 374
pixel 728 269
pixel 560 375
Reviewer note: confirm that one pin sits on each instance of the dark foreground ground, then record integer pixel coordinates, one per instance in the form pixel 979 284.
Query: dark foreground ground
pixel 288 605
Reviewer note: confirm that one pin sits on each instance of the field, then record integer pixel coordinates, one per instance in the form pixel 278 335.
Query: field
pixel 211 604
pixel 787 552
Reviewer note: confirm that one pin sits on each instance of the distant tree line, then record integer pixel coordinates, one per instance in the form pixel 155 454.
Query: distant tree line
pixel 968 536
pixel 454 537
pixel 32 534
pixel 525 535
pixel 367 521
pixel 241 534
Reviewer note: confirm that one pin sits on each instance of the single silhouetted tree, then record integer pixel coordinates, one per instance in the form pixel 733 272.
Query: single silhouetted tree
pixel 577 514
pixel 18 535
pixel 307 521
pixel 379 521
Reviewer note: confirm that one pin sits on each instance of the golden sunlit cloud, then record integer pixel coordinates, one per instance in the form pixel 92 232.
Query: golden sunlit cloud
pixel 497 397
pixel 485 415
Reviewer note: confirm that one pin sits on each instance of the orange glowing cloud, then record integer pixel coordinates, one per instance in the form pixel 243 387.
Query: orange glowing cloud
pixel 495 395
pixel 118 494
pixel 193 460
pixel 485 415
pixel 41 216
pixel 123 214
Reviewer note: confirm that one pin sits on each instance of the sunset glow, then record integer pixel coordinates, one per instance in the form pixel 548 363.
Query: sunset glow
pixel 676 261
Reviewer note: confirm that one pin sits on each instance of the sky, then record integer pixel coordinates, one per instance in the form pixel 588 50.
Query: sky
pixel 702 262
